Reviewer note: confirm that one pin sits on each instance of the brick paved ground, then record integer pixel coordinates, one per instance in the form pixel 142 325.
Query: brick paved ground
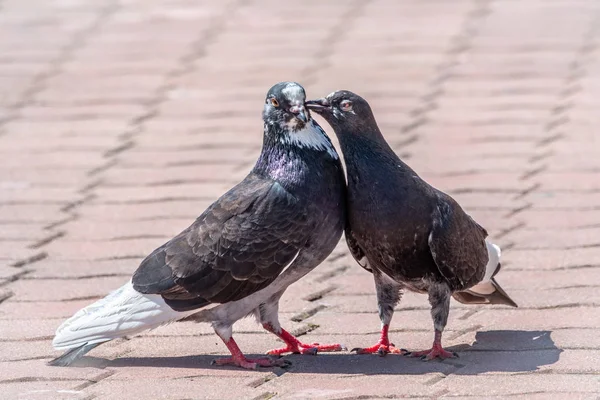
pixel 120 121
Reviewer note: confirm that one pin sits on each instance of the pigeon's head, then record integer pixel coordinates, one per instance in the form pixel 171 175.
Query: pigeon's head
pixel 284 107
pixel 343 110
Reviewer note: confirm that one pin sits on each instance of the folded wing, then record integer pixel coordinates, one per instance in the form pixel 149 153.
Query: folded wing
pixel 238 246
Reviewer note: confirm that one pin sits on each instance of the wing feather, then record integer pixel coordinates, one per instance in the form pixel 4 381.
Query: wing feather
pixel 238 246
pixel 457 244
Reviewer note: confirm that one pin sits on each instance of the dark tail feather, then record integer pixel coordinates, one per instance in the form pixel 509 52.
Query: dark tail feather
pixel 487 293
pixel 500 296
pixel 72 355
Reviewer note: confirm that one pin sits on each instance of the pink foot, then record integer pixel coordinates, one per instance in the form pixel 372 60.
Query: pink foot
pixel 380 349
pixel 310 349
pixel 239 359
pixel 293 345
pixel 436 351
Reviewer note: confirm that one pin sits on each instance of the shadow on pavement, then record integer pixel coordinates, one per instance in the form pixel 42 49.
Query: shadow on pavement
pixel 492 351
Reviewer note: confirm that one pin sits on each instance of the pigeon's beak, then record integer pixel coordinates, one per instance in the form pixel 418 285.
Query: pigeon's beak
pixel 300 113
pixel 318 106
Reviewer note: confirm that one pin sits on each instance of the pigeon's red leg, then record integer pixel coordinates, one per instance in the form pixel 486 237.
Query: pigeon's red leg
pixel 388 295
pixel 237 358
pixel 293 345
pixel 382 347
pixel 439 298
pixel 436 351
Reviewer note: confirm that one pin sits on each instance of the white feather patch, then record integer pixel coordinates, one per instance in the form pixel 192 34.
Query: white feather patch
pixel 311 137
pixel 494 254
pixel 294 92
pixel 485 287
pixel 123 312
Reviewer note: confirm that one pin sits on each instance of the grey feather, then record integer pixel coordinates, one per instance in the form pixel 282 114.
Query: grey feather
pixel 72 355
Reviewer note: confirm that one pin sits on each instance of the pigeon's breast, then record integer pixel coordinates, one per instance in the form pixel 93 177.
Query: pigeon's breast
pixel 391 220
pixel 402 254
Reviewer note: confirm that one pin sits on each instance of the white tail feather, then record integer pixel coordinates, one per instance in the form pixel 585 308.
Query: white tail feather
pixel 123 312
pixel 486 286
pixel 488 291
pixel 494 254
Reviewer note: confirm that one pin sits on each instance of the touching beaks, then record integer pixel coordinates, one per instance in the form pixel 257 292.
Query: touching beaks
pixel 318 105
pixel 300 113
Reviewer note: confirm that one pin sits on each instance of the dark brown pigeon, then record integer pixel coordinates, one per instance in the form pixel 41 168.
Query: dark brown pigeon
pixel 410 235
pixel 242 253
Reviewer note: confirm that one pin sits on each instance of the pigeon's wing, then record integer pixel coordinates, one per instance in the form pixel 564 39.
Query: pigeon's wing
pixel 238 246
pixel 457 244
pixel 356 251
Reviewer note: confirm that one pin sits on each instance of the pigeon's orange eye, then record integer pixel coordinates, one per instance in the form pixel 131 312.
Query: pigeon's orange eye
pixel 274 102
pixel 346 105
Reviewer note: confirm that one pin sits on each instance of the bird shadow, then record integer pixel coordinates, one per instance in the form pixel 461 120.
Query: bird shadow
pixel 492 351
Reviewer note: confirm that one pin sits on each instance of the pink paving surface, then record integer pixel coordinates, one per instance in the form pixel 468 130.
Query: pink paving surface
pixel 120 121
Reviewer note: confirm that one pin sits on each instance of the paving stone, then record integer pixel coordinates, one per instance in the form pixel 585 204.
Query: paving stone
pixel 24 194
pixel 346 384
pixel 52 160
pixel 7 271
pixel 15 253
pixel 69 143
pixel 24 350
pixel 51 268
pixel 552 258
pixel 84 250
pixel 154 194
pixel 202 387
pixel 24 329
pixel 191 157
pixel 13 309
pixel 581 317
pixel 557 238
pixel 173 175
pixel 49 390
pixel 517 384
pixel 554 200
pixel 32 369
pixel 60 289
pixel 29 213
pixel 112 222
pixel 107 217
pixel 564 220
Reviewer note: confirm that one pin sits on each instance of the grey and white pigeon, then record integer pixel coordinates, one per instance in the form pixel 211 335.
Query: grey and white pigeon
pixel 407 233
pixel 242 253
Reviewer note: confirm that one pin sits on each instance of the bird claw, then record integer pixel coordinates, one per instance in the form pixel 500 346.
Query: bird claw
pixel 380 349
pixel 435 352
pixel 307 349
pixel 311 351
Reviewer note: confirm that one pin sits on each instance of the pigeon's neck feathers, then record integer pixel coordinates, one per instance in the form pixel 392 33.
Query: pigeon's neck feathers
pixel 286 156
pixel 311 138
pixel 356 135
pixel 365 147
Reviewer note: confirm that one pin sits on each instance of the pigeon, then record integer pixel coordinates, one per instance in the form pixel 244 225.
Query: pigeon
pixel 241 254
pixel 408 234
